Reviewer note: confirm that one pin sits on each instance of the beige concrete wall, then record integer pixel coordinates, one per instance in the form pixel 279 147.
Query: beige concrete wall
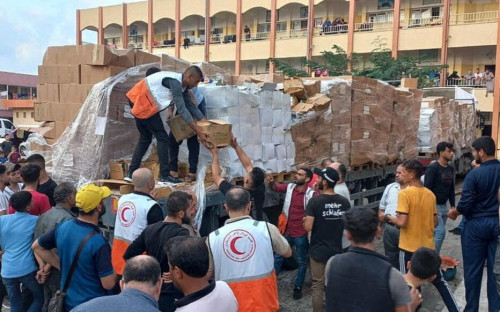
pixel 282 3
pixel 250 4
pixel 423 37
pixel 89 17
pixel 471 35
pixel 164 9
pixel 291 48
pixel 217 6
pixel 137 11
pixel 326 42
pixel 485 103
pixel 363 41
pixel 192 7
pixel 254 50
pixel 23 116
pixel 223 52
pixel 195 53
pixel 112 15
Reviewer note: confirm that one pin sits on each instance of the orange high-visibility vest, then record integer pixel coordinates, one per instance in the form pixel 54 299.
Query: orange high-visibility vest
pixel 243 257
pixel 149 96
pixel 131 220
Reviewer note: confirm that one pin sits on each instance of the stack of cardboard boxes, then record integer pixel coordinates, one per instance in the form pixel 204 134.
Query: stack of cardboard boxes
pixel 68 74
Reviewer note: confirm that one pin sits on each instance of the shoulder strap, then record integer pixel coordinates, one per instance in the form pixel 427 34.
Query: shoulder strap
pixel 75 260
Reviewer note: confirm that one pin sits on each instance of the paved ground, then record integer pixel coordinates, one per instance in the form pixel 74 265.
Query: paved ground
pixel 432 300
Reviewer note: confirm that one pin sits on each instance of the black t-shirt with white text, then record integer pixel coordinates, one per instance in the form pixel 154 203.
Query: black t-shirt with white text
pixel 48 189
pixel 328 227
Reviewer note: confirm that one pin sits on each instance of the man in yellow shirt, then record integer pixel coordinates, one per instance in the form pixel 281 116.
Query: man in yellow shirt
pixel 416 215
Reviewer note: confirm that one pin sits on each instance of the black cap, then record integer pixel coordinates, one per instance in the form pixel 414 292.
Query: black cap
pixel 329 174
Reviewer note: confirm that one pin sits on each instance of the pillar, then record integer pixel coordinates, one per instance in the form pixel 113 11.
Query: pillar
pixel 310 33
pixel 150 26
pixel 444 41
pixel 100 28
pixel 272 36
pixel 350 33
pixel 395 28
pixel 496 94
pixel 78 29
pixel 237 65
pixel 208 30
pixel 178 28
pixel 125 30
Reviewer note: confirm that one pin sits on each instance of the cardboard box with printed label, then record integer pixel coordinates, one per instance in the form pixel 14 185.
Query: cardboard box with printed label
pixel 93 74
pixel 219 131
pixel 42 112
pixel 180 129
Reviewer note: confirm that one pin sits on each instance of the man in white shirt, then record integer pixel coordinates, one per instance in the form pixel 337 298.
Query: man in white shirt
pixel 4 180
pixel 188 262
pixel 342 190
pixel 388 205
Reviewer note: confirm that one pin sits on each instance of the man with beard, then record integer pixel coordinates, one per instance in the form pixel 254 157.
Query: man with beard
pixel 479 204
pixel 154 239
pixel 15 184
pixel 440 179
pixel 324 220
pixel 93 276
pixel 297 196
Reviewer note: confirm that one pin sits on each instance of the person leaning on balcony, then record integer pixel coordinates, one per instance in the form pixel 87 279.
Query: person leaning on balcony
pixel 488 77
pixel 247 33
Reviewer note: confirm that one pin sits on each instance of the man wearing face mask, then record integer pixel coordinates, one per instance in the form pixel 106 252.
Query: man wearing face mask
pixel 154 238
pixel 94 275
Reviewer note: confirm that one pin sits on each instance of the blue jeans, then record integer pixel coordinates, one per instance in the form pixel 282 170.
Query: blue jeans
pixel 479 244
pixel 301 247
pixel 461 224
pixel 440 230
pixel 13 286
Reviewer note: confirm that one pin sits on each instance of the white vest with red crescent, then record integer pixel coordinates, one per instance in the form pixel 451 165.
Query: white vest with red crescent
pixel 242 251
pixel 162 96
pixel 132 216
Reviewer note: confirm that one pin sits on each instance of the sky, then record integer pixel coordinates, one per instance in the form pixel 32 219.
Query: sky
pixel 28 27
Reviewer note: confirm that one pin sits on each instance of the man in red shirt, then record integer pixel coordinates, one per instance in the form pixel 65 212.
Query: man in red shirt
pixel 30 175
pixel 297 196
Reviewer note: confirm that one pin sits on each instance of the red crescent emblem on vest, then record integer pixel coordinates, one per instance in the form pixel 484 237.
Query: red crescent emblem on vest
pixel 246 245
pixel 233 247
pixel 127 214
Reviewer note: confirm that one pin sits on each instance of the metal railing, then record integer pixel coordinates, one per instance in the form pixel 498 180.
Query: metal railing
pixel 476 17
pixel 291 33
pixel 264 35
pixel 467 82
pixel 329 30
pixel 423 22
pixel 223 38
pixel 373 26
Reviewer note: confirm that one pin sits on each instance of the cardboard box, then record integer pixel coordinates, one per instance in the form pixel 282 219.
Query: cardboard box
pixel 48 92
pixel 410 83
pixel 74 93
pixel 58 128
pixel 64 112
pixel 180 129
pixel 295 88
pixel 320 102
pixel 117 170
pixel 302 108
pixel 61 55
pixel 145 58
pixel 42 112
pixel 312 87
pixel 126 58
pixel 93 74
pixel 219 131
pixel 91 54
pixel 58 74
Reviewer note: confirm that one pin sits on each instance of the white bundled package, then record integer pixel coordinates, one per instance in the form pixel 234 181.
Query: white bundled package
pixel 281 165
pixel 254 152
pixel 290 164
pixel 267 135
pixel 266 117
pixel 280 151
pixel 270 165
pixel 268 152
pixel 277 118
pixel 426 130
pixel 290 151
pixel 250 135
pixel 278 136
pixel 266 99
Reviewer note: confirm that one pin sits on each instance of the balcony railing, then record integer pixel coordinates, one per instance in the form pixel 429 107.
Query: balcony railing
pixel 373 26
pixel 223 38
pixel 423 22
pixel 476 17
pixel 468 82
pixel 291 33
pixel 264 35
pixel 329 30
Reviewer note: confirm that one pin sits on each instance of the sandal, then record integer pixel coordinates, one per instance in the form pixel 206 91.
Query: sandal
pixel 190 178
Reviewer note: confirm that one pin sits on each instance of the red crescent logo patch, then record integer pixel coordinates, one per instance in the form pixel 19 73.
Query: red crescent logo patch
pixel 239 245
pixel 127 214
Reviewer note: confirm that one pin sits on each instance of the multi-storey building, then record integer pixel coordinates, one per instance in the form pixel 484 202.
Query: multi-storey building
pixel 17 94
pixel 459 33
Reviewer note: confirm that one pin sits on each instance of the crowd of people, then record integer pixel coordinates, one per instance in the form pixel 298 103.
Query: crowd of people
pixel 52 243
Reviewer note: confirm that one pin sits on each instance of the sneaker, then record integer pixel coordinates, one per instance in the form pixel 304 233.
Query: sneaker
pixel 128 178
pixel 6 303
pixel 169 179
pixel 456 231
pixel 297 293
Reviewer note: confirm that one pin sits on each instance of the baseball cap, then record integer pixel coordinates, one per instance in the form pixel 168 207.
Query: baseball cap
pixel 90 195
pixel 11 166
pixel 329 174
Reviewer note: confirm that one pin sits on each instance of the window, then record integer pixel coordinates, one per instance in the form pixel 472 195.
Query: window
pixel 425 56
pixel 267 66
pixel 8 124
pixel 17 114
pixel 32 115
pixel 268 16
pixel 430 2
pixel 24 114
pixel 304 12
pixel 264 27
pixel 281 26
pixel 318 22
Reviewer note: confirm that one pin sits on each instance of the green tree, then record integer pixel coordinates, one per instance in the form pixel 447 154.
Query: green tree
pixel 336 62
pixel 288 69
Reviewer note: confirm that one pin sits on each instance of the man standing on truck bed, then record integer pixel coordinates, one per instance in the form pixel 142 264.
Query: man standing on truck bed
pixel 148 98
pixel 440 179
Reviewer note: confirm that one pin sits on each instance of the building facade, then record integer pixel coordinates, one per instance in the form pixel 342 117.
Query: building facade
pixel 16 92
pixel 244 34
